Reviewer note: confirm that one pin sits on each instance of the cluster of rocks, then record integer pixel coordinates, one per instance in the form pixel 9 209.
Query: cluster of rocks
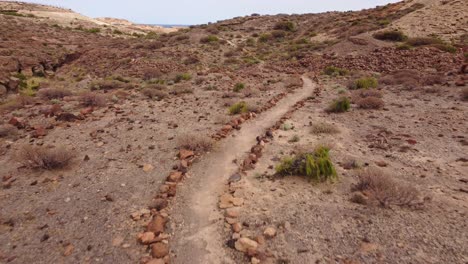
pixel 244 240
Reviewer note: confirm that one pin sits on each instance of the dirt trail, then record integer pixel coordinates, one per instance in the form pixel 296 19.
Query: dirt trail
pixel 198 223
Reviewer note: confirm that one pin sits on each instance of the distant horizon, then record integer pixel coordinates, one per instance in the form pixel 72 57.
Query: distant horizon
pixel 185 12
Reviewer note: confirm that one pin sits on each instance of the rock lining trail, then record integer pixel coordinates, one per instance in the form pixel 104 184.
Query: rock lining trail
pixel 197 222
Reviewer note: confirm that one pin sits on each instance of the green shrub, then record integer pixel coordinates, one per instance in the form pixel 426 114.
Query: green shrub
pixel 238 87
pixel 423 41
pixel 93 30
pixel 335 71
pixel 182 77
pixel 340 105
pixel 364 83
pixel 209 39
pixel 316 165
pixel 404 46
pixel 238 108
pixel 265 37
pixel 286 26
pixel 390 35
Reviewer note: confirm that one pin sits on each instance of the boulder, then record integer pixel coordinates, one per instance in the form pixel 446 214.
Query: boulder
pixel 245 244
pixel 159 250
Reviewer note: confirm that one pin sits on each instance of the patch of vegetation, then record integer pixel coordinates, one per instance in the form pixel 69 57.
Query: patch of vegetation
pixel 335 71
pixel 239 87
pixel 8 130
pixel 390 35
pixel 209 39
pixel 45 158
pixel 317 165
pixel 364 83
pixel 370 103
pixel 93 30
pixel 286 26
pixel 339 105
pixel 195 142
pixel 92 99
pixel 324 128
pixel 238 108
pixel 54 93
pixel 182 77
pixel 294 139
pixel 265 37
pixel 14 13
pixel 154 93
pixel 431 41
pixel 384 190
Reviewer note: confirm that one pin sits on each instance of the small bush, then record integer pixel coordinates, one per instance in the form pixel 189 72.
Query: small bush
pixel 178 90
pixel 154 93
pixel 402 77
pixel 370 103
pixel 195 142
pixel 382 188
pixel 238 108
pixel 316 165
pixel 335 71
pixel 265 37
pixel 182 77
pixel 340 105
pixel 238 87
pixel 53 93
pixel 92 99
pixel 45 158
pixel 364 93
pixel 390 35
pixel 286 26
pixel 209 39
pixel 278 34
pixel 324 128
pixel 294 139
pixel 423 41
pixel 108 85
pixel 364 83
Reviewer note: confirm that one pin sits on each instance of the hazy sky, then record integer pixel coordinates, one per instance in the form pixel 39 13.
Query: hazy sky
pixel 190 12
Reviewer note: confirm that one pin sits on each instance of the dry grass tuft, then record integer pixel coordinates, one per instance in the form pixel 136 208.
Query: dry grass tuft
pixel 370 103
pixel 364 93
pixel 324 128
pixel 380 187
pixel 53 93
pixel 93 99
pixel 195 142
pixel 154 94
pixel 45 158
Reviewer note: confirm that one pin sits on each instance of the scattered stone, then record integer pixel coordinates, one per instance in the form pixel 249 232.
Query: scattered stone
pixel 381 163
pixel 185 154
pixel 270 232
pixel 68 250
pixel 156 261
pixel 235 178
pixel 233 212
pixel 260 240
pixel 156 225
pixel 175 176
pixel 148 167
pixel 146 238
pixel 236 227
pixel 158 204
pixel 244 244
pixel 159 250
pixel 255 260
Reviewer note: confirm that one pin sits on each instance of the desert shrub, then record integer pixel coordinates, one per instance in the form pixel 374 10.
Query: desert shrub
pixel 316 165
pixel 370 103
pixel 53 93
pixel 364 83
pixel 107 85
pixel 278 34
pixel 390 35
pixel 195 142
pixel 335 71
pixel 433 79
pixel 7 130
pixel 445 47
pixel 238 87
pixel 209 39
pixel 339 105
pixel 44 158
pixel 178 90
pixel 238 108
pixel 294 139
pixel 16 103
pixel 93 30
pixel 285 25
pixel 423 41
pixel 381 188
pixel 92 99
pixel 182 77
pixel 324 128
pixel 154 93
pixel 464 94
pixel 401 77
pixel 265 37
pixel 364 93
pixel 403 46
pixel 150 73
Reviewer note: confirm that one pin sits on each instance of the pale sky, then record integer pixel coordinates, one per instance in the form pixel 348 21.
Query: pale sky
pixel 189 12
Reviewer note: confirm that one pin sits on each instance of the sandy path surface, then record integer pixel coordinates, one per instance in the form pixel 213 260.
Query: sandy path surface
pixel 197 237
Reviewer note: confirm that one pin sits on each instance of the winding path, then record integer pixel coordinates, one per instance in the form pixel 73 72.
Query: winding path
pixel 198 222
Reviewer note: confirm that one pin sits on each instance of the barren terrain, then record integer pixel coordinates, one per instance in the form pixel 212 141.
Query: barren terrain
pixel 337 137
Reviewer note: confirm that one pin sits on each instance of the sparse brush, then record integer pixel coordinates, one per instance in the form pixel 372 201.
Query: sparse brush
pixel 370 103
pixel 316 165
pixel 238 108
pixel 181 89
pixel 364 93
pixel 408 78
pixel 294 139
pixel 195 142
pixel 390 35
pixel 363 83
pixel 286 26
pixel 53 93
pixel 238 87
pixel 384 189
pixel 93 99
pixel 209 39
pixel 154 94
pixel 340 105
pixel 335 71
pixel 324 128
pixel 8 130
pixel 182 77
pixel 45 158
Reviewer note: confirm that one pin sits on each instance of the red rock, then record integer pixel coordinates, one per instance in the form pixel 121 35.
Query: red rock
pixel 87 111
pixel 156 225
pixel 411 141
pixel 159 250
pixel 175 176
pixel 146 238
pixel 460 83
pixel 39 131
pixel 226 128
pixel 185 154
pixel 16 122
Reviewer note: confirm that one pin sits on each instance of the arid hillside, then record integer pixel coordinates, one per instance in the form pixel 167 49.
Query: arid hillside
pixel 338 137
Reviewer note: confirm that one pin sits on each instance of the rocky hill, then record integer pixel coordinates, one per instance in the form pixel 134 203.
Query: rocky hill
pixel 337 137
